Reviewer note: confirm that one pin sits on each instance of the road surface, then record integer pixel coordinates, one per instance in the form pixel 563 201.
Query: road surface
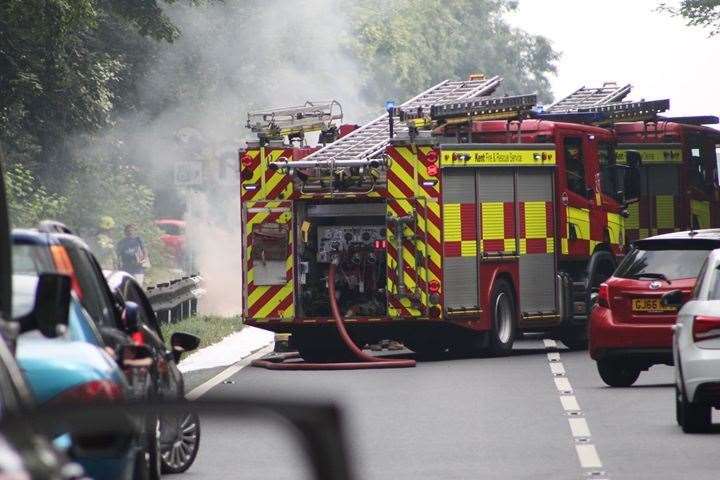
pixel 541 413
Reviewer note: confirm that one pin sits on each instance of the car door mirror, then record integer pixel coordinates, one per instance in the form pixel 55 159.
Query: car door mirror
pixel 673 298
pixel 130 315
pixel 134 356
pixel 52 305
pixel 182 342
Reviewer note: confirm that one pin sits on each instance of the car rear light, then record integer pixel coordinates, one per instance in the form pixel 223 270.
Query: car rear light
pixel 604 295
pixel 705 328
pixel 97 391
pixel 65 266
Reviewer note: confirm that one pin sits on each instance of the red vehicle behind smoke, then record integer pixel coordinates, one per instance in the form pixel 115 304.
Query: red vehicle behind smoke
pixel 173 237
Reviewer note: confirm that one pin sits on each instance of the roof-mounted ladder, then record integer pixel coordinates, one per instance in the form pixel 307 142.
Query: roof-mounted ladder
pixel 313 116
pixel 370 140
pixel 585 97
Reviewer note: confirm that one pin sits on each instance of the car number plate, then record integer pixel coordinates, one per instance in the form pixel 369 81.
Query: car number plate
pixel 650 305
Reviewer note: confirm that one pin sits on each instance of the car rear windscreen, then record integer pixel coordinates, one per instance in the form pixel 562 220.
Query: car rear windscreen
pixel 672 263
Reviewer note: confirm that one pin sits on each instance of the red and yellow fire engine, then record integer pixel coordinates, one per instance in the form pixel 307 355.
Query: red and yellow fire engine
pixel 679 177
pixel 454 221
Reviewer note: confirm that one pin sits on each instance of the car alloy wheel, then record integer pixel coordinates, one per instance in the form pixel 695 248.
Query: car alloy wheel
pixel 181 441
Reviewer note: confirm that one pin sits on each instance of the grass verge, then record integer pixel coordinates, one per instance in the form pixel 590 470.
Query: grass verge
pixel 210 329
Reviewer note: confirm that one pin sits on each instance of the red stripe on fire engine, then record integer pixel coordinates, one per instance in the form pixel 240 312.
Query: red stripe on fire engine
pixel 402 162
pixel 399 184
pixel 264 298
pixel 549 220
pixel 283 305
pixel 468 221
pixel 509 219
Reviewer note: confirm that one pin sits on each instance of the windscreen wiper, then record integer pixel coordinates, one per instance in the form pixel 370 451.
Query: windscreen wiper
pixel 651 275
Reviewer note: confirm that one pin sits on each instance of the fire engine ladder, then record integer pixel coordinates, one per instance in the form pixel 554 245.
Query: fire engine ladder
pixel 297 120
pixel 585 97
pixel 493 108
pixel 370 140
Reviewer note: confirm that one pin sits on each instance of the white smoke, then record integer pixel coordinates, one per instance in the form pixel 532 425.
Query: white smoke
pixel 238 59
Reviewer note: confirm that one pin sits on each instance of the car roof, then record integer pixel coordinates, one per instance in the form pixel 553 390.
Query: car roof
pixel 695 239
pixel 69 240
pixel 27 236
pixel 704 234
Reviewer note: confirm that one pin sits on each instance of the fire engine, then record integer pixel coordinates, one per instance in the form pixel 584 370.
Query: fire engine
pixel 454 221
pixel 679 164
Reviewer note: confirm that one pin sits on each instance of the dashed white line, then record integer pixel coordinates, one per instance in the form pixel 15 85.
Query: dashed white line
pixel 570 403
pixel 586 452
pixel 588 456
pixel 553 357
pixel 557 368
pixel 579 427
pixel 563 385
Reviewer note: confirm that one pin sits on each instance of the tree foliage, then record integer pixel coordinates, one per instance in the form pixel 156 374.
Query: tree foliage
pixel 701 13
pixel 406 46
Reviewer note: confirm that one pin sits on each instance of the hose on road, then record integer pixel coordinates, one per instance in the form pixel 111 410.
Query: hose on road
pixel 365 361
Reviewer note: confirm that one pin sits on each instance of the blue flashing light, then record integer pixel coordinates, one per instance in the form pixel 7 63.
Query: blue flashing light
pixel 389 105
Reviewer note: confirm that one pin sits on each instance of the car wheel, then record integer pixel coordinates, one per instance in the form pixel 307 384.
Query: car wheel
pixel 180 442
pixel 153 448
pixel 615 374
pixel 502 327
pixel 692 417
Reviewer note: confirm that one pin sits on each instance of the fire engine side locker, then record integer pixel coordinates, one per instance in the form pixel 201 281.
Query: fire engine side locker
pixel 499 209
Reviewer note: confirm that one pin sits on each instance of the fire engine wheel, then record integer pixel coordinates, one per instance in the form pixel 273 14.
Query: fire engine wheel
pixel 502 305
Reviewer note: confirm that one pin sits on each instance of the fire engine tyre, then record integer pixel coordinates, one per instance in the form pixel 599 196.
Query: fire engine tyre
pixel 692 417
pixel 503 323
pixel 616 374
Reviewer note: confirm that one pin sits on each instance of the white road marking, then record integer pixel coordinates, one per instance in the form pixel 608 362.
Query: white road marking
pixel 563 384
pixel 557 368
pixel 553 356
pixel 579 427
pixel 588 456
pixel 586 452
pixel 203 388
pixel 570 403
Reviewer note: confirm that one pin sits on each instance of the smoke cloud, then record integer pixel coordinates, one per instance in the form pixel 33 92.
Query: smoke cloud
pixel 232 57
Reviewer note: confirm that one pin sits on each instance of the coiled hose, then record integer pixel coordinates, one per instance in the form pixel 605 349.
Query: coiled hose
pixel 364 361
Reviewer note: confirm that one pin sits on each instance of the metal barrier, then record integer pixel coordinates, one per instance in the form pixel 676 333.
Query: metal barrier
pixel 177 299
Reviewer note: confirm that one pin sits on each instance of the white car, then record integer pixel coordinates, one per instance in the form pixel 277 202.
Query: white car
pixel 696 349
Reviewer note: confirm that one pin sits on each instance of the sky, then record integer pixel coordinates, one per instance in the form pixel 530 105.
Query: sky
pixel 628 42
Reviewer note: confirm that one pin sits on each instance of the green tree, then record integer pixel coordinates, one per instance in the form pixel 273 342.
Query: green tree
pixel 701 13
pixel 406 46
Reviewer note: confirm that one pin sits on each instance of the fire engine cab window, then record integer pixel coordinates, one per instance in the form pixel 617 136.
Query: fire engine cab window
pixel 608 172
pixel 575 169
pixel 699 177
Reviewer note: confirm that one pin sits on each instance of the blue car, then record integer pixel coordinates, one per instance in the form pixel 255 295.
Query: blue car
pixel 75 368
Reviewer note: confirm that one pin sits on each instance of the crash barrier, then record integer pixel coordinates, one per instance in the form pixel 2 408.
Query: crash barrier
pixel 177 299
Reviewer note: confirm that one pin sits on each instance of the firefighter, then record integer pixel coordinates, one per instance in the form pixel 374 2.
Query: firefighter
pixel 102 243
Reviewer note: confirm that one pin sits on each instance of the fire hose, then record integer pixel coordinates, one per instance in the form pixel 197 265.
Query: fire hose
pixel 364 361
